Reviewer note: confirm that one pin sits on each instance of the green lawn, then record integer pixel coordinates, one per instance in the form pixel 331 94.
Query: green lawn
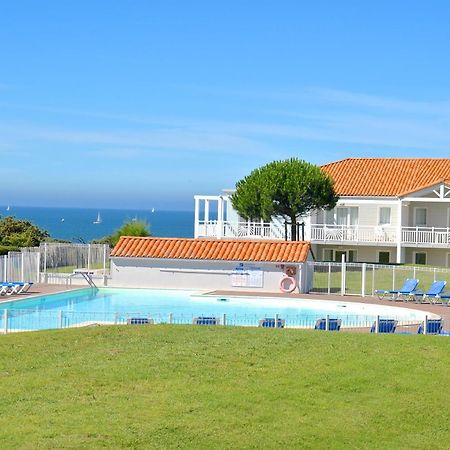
pixel 223 387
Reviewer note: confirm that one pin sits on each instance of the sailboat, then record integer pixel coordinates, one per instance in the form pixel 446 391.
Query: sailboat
pixel 8 208
pixel 153 210
pixel 99 219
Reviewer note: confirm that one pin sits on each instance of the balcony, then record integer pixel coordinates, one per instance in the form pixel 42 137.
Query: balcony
pixel 240 230
pixel 374 235
pixel 328 234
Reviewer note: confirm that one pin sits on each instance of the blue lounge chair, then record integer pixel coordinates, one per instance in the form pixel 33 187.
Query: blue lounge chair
pixel 333 324
pixel 434 326
pixel 432 294
pixel 269 322
pixel 140 321
pixel 205 321
pixel 384 326
pixel 408 287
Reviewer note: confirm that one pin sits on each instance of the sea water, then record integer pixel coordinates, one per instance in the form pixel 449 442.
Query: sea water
pixel 77 224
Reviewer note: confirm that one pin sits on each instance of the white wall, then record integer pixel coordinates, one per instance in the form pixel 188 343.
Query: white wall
pixel 193 274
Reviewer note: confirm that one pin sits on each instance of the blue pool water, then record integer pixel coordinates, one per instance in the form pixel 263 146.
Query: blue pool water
pixel 107 305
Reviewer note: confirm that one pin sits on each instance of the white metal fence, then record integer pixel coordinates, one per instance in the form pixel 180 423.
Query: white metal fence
pixel 55 263
pixel 18 266
pixel 364 279
pixel 19 320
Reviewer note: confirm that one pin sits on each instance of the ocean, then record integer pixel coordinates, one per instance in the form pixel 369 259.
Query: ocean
pixel 77 224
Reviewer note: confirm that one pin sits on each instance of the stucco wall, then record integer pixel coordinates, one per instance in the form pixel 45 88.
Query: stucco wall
pixel 194 274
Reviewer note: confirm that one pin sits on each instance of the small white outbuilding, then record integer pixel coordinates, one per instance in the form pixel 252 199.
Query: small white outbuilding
pixel 211 264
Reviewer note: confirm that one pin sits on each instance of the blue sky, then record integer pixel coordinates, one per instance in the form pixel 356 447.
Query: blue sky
pixel 146 103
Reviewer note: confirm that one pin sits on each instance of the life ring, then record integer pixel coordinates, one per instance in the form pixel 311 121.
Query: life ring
pixel 288 284
pixel 291 271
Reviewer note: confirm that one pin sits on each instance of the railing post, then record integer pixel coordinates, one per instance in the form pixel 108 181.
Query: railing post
pixel 377 324
pixel 5 321
pixel 425 328
pixel 276 321
pixel 22 268
pixel 196 217
pixel 224 319
pixel 170 318
pixel 45 263
pixel 5 268
pixel 327 323
pixel 116 318
pixel 60 319
pixel 363 280
pixel 89 257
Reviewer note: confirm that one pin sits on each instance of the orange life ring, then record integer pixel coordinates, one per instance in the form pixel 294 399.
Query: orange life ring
pixel 288 284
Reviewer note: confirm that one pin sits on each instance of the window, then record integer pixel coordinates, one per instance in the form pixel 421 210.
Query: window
pixel 384 257
pixel 421 217
pixel 384 216
pixel 342 215
pixel 420 258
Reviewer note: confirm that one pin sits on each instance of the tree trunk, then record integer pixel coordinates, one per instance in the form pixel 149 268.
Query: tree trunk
pixel 294 236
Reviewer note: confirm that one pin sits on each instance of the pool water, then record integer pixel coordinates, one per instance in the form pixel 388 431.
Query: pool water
pixel 108 305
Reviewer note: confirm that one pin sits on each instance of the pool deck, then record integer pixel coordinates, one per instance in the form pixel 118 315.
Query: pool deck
pixel 40 289
pixel 440 310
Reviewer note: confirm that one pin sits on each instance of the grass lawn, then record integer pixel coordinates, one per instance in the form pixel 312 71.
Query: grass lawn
pixel 222 387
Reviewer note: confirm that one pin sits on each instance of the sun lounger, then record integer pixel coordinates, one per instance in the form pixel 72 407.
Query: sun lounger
pixel 140 321
pixel 269 322
pixel 205 321
pixel 408 287
pixel 384 326
pixel 434 326
pixel 14 287
pixel 433 294
pixel 333 324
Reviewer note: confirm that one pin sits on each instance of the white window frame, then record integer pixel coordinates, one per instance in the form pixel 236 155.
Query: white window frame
pixel 416 253
pixel 347 207
pixel 383 251
pixel 379 216
pixel 415 216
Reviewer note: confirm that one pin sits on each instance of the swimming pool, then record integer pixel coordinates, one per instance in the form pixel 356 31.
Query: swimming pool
pixel 109 305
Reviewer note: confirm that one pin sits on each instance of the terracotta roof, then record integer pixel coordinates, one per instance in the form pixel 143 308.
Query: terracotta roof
pixel 386 177
pixel 212 249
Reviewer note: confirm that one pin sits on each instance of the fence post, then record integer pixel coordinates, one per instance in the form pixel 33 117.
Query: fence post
pixel 327 323
pixel 5 320
pixel 38 275
pixel 5 268
pixel 104 259
pixel 425 328
pixel 60 319
pixel 377 324
pixel 434 274
pixel 363 280
pixel 116 318
pixel 45 263
pixel 224 319
pixel 343 268
pixel 89 257
pixel 393 278
pixel 22 269
pixel 329 278
pixel 276 321
pixel 170 318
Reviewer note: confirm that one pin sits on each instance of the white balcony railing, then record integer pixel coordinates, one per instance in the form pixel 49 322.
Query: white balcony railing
pixel 353 233
pixel 241 230
pixel 424 236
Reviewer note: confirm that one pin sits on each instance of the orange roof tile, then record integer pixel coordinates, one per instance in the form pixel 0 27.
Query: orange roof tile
pixel 386 177
pixel 212 249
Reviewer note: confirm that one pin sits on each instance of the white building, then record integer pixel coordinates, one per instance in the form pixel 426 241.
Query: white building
pixel 211 264
pixel 389 210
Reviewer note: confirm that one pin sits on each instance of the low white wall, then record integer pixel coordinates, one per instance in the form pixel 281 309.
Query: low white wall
pixel 194 274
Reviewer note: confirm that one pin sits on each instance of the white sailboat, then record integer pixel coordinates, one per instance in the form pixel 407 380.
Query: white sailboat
pixel 153 210
pixel 99 219
pixel 8 208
